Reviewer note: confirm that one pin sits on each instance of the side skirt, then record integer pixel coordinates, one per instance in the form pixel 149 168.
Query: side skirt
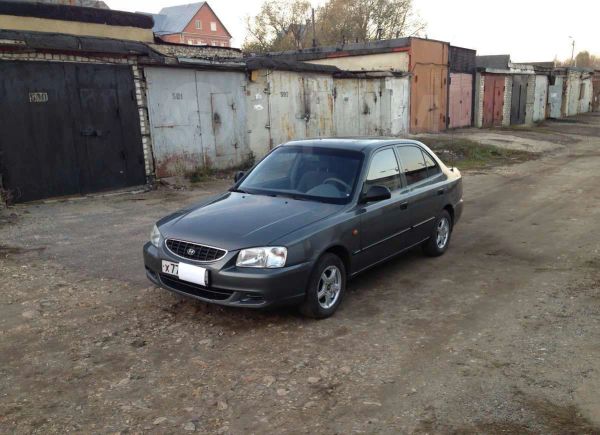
pixel 388 257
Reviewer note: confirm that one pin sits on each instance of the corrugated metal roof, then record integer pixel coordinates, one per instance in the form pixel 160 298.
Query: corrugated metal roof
pixel 74 44
pixel 174 19
pixel 350 49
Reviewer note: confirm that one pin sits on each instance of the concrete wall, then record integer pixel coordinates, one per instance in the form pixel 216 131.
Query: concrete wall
pixel 530 99
pixel 540 98
pixel 478 106
pixel 396 61
pixel 10 22
pixel 508 82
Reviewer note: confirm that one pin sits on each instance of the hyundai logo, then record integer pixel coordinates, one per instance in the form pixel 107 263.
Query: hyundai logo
pixel 191 251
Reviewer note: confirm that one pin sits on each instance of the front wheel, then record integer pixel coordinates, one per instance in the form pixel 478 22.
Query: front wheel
pixel 326 288
pixel 439 240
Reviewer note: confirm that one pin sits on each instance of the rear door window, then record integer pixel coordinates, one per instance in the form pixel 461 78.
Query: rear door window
pixel 432 167
pixel 384 170
pixel 413 164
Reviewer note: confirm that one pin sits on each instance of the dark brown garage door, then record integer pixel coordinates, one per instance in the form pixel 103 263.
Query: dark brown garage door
pixel 68 129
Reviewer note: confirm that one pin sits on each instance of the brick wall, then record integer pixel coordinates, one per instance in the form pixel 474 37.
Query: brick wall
pixel 507 101
pixel 196 52
pixel 479 88
pixel 530 99
pixel 138 78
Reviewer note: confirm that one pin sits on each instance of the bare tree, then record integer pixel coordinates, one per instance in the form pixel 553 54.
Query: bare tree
pixel 285 24
pixel 280 25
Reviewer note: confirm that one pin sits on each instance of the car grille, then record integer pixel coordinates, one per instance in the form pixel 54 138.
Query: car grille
pixel 192 251
pixel 194 289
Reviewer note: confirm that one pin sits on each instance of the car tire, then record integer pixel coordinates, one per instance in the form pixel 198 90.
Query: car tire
pixel 439 240
pixel 326 287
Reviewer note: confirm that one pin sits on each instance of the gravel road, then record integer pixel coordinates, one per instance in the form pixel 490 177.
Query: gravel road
pixel 500 335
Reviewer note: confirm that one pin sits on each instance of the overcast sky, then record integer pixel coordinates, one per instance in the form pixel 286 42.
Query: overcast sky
pixel 528 30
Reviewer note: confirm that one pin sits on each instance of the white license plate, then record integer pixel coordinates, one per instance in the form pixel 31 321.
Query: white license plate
pixel 186 272
pixel 170 268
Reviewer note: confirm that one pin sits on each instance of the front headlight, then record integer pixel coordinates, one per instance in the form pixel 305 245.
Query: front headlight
pixel 270 257
pixel 155 236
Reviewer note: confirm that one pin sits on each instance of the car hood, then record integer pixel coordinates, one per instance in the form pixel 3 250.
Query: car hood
pixel 235 220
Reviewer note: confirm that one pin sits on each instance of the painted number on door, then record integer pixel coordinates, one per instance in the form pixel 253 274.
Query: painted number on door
pixel 38 97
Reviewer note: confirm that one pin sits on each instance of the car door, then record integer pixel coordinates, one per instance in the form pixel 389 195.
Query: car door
pixel 383 223
pixel 424 191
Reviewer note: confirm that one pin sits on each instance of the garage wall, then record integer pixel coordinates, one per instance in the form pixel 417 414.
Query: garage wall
pixel 396 61
pixel 540 98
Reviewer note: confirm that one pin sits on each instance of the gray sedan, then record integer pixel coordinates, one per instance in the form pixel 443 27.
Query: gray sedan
pixel 309 216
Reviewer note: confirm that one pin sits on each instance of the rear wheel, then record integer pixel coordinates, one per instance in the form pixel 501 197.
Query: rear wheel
pixel 439 239
pixel 326 287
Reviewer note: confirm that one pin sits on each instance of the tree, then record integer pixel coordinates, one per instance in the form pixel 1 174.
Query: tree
pixel 280 25
pixel 337 21
pixel 366 20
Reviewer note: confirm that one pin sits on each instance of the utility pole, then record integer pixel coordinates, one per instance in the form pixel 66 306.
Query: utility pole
pixel 572 51
pixel 314 29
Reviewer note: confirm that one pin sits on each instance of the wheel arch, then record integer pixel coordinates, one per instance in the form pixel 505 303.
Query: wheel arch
pixel 450 211
pixel 343 253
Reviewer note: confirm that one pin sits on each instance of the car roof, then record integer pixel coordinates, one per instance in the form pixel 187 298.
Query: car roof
pixel 350 143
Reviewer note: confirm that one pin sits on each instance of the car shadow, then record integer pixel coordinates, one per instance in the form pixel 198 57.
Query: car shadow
pixel 363 298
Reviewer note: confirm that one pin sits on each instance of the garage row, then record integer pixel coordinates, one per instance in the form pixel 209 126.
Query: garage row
pixel 89 114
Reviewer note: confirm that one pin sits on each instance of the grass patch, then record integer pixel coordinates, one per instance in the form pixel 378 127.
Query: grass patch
pixel 203 173
pixel 469 154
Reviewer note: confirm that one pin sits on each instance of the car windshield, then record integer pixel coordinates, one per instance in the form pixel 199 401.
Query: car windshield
pixel 319 174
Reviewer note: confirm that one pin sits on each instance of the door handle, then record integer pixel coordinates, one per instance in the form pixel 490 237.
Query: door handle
pixel 441 191
pixel 404 206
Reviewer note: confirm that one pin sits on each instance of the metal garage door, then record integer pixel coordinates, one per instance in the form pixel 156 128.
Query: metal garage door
pixel 493 100
pixel 69 129
pixel 518 100
pixel 198 119
pixel 460 100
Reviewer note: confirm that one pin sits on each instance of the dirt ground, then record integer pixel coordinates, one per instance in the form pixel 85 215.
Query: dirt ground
pixel 500 335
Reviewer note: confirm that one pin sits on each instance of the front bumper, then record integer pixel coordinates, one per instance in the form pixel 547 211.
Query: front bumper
pixel 230 285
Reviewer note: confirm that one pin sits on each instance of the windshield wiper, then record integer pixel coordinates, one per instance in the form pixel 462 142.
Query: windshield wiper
pixel 240 191
pixel 292 196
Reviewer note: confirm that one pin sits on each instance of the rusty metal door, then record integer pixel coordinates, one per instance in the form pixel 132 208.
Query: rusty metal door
pixel 369 115
pixel 555 93
pixel 347 107
pixel 518 100
pixel 493 100
pixel 460 100
pixel 318 102
pixel 226 141
pixel 175 120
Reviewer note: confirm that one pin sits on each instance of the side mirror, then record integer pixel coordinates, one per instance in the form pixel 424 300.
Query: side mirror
pixel 376 193
pixel 238 176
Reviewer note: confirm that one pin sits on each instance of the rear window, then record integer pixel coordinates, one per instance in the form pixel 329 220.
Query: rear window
pixel 413 164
